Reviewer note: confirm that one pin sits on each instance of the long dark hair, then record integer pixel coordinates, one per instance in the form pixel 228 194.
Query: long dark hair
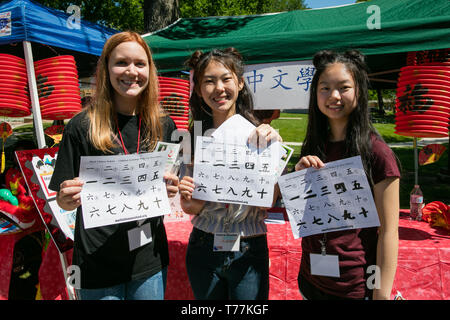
pixel 359 129
pixel 231 59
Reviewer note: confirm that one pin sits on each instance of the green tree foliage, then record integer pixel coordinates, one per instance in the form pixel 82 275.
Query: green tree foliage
pixel 117 14
pixel 129 14
pixel 205 8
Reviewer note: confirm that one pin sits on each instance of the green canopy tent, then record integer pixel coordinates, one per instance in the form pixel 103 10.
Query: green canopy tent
pixel 404 25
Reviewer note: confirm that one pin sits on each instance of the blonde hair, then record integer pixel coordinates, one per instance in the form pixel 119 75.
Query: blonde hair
pixel 101 112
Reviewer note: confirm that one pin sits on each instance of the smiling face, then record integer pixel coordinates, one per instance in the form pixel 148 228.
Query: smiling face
pixel 219 88
pixel 336 93
pixel 129 75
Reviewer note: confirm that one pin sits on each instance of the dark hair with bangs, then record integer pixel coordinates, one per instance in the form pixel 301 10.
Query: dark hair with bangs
pixel 359 127
pixel 232 60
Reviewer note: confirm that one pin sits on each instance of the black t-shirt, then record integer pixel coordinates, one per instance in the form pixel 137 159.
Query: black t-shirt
pixel 102 253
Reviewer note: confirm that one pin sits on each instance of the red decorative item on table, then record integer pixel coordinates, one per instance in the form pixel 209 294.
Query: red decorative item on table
pixel 16 204
pixel 437 214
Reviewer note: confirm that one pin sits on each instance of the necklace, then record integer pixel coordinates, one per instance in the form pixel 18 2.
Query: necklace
pixel 121 139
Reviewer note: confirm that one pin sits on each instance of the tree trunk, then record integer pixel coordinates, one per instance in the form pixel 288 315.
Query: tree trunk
pixel 380 102
pixel 160 13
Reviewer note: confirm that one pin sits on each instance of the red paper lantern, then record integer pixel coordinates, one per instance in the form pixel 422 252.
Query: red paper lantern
pixel 55 61
pixel 423 95
pixel 174 97
pixel 402 118
pixel 4 57
pixel 14 97
pixel 13 71
pixel 58 87
pixel 174 80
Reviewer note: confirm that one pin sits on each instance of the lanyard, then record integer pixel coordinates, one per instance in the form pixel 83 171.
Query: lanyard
pixel 121 140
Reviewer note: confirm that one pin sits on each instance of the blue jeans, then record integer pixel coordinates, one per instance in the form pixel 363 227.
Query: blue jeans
pixel 144 289
pixel 240 275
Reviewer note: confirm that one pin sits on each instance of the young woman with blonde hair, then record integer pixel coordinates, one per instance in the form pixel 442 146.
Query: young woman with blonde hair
pixel 123 118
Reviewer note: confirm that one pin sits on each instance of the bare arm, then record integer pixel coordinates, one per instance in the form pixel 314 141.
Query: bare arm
pixel 388 204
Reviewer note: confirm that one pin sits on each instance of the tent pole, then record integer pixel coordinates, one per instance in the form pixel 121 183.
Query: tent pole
pixel 39 129
pixel 63 258
pixel 383 72
pixel 37 120
pixel 382 80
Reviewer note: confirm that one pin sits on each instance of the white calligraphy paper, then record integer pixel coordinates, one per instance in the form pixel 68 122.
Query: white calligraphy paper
pixel 233 173
pixel 123 188
pixel 336 197
pixel 237 129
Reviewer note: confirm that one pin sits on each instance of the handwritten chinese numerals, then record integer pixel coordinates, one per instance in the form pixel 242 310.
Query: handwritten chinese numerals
pixel 123 188
pixel 334 198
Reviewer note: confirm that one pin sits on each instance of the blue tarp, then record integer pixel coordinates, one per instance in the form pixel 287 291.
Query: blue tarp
pixel 33 22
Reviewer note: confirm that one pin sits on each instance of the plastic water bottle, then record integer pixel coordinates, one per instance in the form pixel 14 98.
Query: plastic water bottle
pixel 416 203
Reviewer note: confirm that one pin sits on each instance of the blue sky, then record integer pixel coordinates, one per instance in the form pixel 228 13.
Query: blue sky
pixel 326 3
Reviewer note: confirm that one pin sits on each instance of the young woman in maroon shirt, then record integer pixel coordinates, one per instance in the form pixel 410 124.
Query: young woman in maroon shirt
pixel 339 127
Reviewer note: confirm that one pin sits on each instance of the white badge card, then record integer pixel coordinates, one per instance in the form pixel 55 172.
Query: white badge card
pixel 226 242
pixel 139 236
pixel 324 265
pixel 173 149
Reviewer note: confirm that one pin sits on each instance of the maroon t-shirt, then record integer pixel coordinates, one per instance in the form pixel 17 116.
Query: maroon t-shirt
pixel 355 248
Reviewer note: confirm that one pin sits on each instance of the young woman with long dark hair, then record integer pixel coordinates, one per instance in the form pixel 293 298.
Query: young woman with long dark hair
pixel 220 92
pixel 339 127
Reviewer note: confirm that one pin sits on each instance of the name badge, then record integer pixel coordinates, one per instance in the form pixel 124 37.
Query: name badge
pixel 139 236
pixel 227 242
pixel 324 265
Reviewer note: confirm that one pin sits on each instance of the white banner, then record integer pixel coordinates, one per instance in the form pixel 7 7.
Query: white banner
pixel 281 85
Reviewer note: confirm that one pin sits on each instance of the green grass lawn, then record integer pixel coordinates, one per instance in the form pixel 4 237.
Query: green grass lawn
pixel 292 129
pixel 430 178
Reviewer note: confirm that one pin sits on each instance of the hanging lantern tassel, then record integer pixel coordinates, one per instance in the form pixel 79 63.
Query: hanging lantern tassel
pixel 430 153
pixel 55 132
pixel 3 157
pixel 5 132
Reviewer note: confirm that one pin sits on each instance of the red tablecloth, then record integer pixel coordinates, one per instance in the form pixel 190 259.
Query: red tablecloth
pixel 423 270
pixel 51 277
pixel 6 260
pixel 423 263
